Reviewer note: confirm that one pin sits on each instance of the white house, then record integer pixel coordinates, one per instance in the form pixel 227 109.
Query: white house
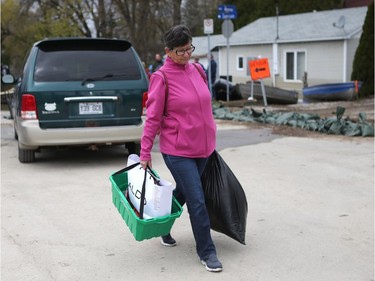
pixel 201 47
pixel 320 44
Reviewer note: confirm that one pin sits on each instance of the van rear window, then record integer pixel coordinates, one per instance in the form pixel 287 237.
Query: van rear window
pixel 83 61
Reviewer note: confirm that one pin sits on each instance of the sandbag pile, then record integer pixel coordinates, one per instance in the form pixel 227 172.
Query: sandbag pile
pixel 338 125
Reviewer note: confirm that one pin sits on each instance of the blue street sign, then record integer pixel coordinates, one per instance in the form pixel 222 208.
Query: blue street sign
pixel 227 9
pixel 227 16
pixel 227 12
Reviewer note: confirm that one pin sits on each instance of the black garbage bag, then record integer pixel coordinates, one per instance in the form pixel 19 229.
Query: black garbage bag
pixel 225 199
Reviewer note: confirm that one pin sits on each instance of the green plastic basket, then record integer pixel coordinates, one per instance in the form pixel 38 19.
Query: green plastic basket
pixel 142 229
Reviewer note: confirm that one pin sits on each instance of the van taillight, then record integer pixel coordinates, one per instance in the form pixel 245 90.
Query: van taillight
pixel 28 107
pixel 144 100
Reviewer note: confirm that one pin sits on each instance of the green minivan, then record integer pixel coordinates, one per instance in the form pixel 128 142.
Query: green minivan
pixel 79 92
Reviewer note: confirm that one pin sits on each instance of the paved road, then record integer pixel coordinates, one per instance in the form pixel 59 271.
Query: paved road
pixel 310 215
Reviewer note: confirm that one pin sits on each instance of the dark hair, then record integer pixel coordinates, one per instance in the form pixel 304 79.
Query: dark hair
pixel 178 35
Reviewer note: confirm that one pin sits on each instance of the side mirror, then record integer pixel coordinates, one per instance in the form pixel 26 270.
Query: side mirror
pixel 8 79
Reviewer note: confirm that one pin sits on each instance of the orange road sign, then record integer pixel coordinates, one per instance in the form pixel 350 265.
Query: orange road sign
pixel 259 69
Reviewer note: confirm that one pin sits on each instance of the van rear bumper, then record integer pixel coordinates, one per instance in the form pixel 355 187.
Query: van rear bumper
pixel 31 136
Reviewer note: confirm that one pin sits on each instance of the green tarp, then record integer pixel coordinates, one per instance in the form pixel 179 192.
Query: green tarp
pixel 338 125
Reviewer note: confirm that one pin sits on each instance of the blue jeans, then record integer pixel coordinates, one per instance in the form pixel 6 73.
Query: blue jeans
pixel 187 175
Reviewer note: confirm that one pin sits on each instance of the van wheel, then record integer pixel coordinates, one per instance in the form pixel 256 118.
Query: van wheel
pixel 133 147
pixel 26 155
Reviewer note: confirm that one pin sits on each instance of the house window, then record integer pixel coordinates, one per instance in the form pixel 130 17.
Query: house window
pixel 295 65
pixel 240 65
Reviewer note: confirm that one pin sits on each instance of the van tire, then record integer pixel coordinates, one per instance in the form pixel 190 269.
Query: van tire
pixel 26 155
pixel 133 147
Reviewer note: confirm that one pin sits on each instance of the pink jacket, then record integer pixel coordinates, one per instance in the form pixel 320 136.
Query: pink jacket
pixel 188 128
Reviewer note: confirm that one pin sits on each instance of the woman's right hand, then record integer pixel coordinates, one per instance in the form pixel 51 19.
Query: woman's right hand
pixel 144 164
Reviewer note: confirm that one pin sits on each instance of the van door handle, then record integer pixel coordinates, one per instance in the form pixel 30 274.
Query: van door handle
pixel 90 98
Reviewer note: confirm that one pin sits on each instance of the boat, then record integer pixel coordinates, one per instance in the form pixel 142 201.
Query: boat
pixel 332 92
pixel 274 95
pixel 220 90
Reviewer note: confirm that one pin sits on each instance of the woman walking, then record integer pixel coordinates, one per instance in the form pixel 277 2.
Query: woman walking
pixel 179 109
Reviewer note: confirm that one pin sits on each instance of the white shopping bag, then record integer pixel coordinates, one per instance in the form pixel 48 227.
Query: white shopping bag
pixel 158 192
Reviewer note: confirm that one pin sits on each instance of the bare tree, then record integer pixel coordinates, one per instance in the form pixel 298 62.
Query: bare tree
pixel 192 15
pixel 143 22
pixel 195 11
pixel 88 18
pixel 176 12
pixel 102 15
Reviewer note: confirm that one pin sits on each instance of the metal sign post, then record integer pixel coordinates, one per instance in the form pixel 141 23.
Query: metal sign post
pixel 208 25
pixel 226 13
pixel 227 28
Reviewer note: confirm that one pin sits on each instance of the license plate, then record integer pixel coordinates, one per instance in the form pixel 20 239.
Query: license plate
pixel 90 108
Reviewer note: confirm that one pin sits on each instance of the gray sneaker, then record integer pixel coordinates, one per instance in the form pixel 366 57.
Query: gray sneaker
pixel 212 263
pixel 168 241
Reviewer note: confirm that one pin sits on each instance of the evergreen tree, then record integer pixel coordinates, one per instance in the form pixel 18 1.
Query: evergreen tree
pixel 363 65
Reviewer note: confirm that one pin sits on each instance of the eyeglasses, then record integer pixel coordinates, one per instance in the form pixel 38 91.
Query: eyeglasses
pixel 188 51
